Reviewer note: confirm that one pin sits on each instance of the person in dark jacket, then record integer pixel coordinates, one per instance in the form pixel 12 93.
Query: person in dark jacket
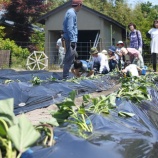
pixel 113 58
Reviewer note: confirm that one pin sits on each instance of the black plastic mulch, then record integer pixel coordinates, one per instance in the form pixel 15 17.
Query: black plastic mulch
pixel 48 92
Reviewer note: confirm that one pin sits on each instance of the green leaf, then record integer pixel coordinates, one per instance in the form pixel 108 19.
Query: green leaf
pixel 67 103
pixel 52 122
pixel 125 114
pixel 23 135
pixel 61 116
pixel 81 111
pixel 112 100
pixel 72 95
pixel 3 128
pixel 86 98
pixel 6 111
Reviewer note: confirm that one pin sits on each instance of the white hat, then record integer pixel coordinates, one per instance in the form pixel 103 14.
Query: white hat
pixel 120 42
pixel 104 52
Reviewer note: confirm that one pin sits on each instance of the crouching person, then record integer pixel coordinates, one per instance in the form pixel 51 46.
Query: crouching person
pixel 113 58
pixel 131 69
pixel 80 67
pixel 133 55
pixel 99 61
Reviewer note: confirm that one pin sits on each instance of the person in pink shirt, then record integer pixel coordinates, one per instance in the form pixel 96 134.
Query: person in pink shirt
pixel 133 55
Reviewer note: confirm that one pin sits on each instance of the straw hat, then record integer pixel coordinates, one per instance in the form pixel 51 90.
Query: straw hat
pixel 93 50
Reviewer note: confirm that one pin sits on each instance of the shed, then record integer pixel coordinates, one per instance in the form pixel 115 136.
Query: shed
pixel 92 27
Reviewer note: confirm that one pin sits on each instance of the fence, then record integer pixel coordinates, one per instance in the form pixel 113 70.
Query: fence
pixel 5 58
pixel 83 49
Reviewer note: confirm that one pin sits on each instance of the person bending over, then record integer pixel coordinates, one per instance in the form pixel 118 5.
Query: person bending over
pixel 131 69
pixel 80 67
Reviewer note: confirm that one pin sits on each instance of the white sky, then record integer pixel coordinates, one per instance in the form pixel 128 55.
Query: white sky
pixel 133 2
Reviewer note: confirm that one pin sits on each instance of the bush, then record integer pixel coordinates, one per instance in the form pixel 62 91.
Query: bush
pixel 18 54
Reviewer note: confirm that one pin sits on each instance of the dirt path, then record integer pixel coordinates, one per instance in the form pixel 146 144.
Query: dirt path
pixel 38 115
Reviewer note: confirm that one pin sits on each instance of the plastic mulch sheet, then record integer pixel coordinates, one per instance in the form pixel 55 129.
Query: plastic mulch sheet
pixel 28 97
pixel 113 136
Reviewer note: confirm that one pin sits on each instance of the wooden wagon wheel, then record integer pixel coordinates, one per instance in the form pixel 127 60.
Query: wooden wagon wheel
pixel 37 61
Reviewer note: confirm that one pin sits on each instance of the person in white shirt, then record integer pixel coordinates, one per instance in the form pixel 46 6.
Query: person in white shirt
pixel 131 69
pixel 120 45
pixel 153 34
pixel 106 58
pixel 99 61
pixel 61 51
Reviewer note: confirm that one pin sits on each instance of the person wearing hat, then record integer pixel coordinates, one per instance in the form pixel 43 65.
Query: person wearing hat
pixel 113 58
pixel 106 58
pixel 135 38
pixel 99 61
pixel 81 67
pixel 133 55
pixel 70 35
pixel 120 45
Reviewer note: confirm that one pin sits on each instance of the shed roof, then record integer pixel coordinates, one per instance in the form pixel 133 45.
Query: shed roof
pixel 43 18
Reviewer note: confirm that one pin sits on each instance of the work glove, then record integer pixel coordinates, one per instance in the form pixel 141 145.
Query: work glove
pixel 73 45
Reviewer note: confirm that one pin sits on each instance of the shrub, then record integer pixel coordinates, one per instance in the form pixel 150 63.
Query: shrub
pixel 18 54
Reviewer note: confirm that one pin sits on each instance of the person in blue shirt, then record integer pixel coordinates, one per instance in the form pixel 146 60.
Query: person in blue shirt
pixel 80 67
pixel 70 35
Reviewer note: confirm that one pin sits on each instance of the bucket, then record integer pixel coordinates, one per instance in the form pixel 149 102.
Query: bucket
pixel 144 69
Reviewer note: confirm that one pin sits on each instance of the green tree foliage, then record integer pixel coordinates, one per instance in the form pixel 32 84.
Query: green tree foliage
pixel 18 54
pixel 2 34
pixel 56 3
pixel 142 14
pixel 38 39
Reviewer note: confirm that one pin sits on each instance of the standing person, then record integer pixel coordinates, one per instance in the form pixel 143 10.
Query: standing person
pixel 61 51
pixel 70 35
pixel 153 34
pixel 133 55
pixel 99 61
pixel 135 38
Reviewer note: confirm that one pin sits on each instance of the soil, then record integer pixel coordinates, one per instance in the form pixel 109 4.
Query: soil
pixel 38 115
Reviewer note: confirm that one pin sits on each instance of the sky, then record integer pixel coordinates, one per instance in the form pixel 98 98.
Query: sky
pixel 133 2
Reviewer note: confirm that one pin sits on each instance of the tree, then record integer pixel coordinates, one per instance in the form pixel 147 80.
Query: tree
pixel 22 13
